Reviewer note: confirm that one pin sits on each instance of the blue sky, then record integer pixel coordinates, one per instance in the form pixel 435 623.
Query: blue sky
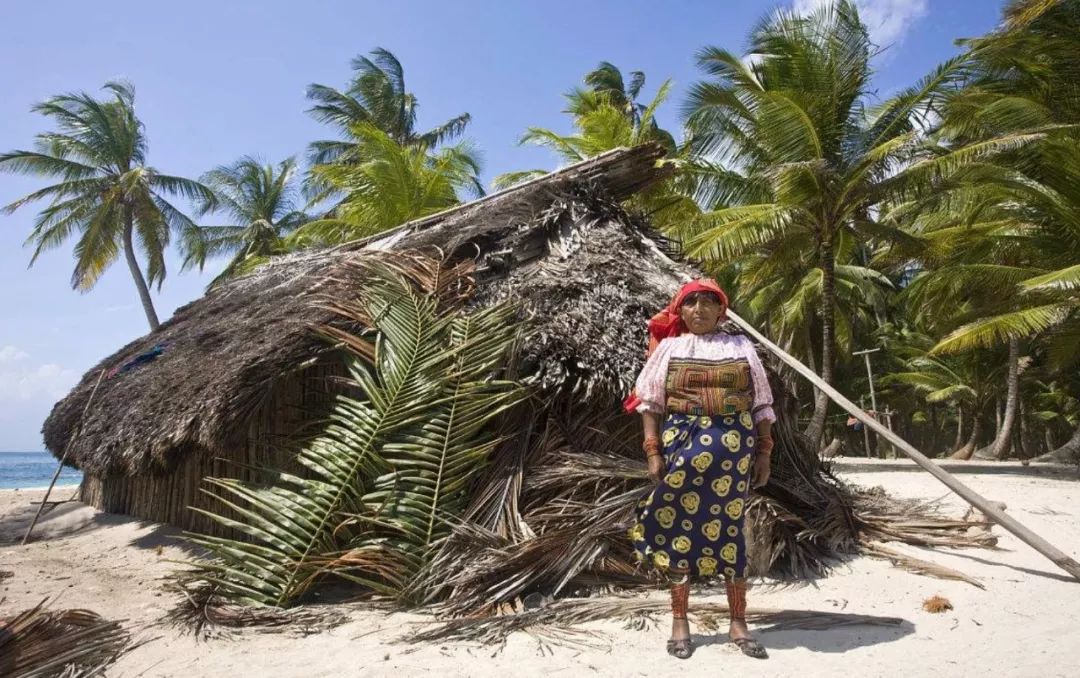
pixel 217 80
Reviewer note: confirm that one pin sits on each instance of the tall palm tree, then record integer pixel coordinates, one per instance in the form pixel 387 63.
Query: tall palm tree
pixel 107 193
pixel 387 186
pixel 261 200
pixel 796 151
pixel 376 95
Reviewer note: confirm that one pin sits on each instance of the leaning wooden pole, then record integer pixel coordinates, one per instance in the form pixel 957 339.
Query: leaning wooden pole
pixel 969 495
pixel 60 466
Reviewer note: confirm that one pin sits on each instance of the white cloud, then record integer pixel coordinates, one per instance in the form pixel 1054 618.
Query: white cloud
pixel 28 390
pixel 11 354
pixel 48 382
pixel 887 20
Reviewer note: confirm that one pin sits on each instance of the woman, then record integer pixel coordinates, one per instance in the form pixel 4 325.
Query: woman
pixel 707 412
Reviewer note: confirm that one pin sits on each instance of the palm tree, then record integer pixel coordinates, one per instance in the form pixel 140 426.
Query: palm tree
pixel 797 152
pixel 601 125
pixel 376 95
pixel 782 290
pixel 955 382
pixel 107 193
pixel 606 86
pixel 387 186
pixel 261 201
pixel 1019 276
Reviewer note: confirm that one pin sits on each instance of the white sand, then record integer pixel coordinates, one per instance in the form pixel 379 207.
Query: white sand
pixel 1023 624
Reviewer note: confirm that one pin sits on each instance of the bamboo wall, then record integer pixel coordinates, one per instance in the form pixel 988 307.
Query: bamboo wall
pixel 291 414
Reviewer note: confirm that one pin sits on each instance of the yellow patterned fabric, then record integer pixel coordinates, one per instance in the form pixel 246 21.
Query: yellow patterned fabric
pixel 709 387
pixel 693 520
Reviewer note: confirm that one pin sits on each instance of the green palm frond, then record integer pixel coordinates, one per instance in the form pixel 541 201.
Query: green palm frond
pixel 432 467
pixel 510 179
pixel 388 184
pixel 387 476
pixel 736 231
pixel 1066 280
pixel 998 329
pixel 376 95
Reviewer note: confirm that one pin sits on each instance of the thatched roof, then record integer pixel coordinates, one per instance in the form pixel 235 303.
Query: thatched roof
pixel 588 275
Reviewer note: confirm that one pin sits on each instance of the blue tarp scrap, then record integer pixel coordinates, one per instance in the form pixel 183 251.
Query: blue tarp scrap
pixel 138 360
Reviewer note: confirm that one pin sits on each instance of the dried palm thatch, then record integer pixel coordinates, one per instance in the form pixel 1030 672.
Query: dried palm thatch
pixel 38 643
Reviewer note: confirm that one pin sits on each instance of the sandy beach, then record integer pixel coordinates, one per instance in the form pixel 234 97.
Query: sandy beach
pixel 1022 624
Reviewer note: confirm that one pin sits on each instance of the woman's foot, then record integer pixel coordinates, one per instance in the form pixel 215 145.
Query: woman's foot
pixel 680 644
pixel 740 635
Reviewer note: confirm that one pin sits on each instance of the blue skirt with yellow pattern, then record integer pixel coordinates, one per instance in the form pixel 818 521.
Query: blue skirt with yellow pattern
pixel 693 520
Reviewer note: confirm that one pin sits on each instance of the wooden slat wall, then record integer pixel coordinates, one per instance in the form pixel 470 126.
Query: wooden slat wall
pixel 292 413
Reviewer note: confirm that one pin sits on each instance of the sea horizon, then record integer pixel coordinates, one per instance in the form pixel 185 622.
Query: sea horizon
pixel 33 469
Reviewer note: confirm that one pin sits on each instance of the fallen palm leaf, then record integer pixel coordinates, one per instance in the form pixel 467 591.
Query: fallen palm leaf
pixel 918 565
pixel 38 643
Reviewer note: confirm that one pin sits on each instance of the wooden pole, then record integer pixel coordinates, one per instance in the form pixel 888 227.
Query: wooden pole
pixel 865 431
pixel 63 458
pixel 1058 557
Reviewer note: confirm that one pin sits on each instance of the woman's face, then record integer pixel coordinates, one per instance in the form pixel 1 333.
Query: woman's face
pixel 701 312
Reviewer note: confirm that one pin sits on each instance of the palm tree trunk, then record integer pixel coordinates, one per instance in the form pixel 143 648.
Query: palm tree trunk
pixel 1002 444
pixel 1069 453
pixel 816 427
pixel 959 428
pixel 968 449
pixel 136 273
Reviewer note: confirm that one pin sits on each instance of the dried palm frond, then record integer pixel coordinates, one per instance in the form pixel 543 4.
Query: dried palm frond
pixel 206 614
pixel 918 565
pixel 886 518
pixel 553 513
pixel 38 643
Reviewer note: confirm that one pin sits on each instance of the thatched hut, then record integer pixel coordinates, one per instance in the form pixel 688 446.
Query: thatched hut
pixel 239 378
pixel 239 375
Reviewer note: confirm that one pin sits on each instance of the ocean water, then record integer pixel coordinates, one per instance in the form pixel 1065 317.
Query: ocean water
pixel 33 469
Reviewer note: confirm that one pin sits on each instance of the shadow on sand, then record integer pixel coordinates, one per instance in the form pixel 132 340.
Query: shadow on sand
pixel 820 632
pixel 73 518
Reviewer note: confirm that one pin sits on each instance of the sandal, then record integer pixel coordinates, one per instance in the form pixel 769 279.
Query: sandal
pixel 681 648
pixel 751 648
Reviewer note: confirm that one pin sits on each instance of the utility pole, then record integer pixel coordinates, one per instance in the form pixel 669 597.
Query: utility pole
pixel 873 396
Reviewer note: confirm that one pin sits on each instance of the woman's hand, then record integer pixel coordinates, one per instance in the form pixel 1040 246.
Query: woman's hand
pixel 656 468
pixel 762 469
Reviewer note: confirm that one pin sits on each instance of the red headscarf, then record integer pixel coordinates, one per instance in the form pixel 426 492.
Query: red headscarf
pixel 668 323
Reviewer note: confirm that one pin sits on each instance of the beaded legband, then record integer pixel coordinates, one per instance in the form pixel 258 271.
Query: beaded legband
pixel 736 599
pixel 651 446
pixel 680 599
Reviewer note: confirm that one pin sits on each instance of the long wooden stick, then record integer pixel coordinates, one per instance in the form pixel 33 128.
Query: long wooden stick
pixel 63 458
pixel 969 495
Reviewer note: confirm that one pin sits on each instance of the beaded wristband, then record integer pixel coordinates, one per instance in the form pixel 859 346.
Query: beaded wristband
pixel 651 446
pixel 765 445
